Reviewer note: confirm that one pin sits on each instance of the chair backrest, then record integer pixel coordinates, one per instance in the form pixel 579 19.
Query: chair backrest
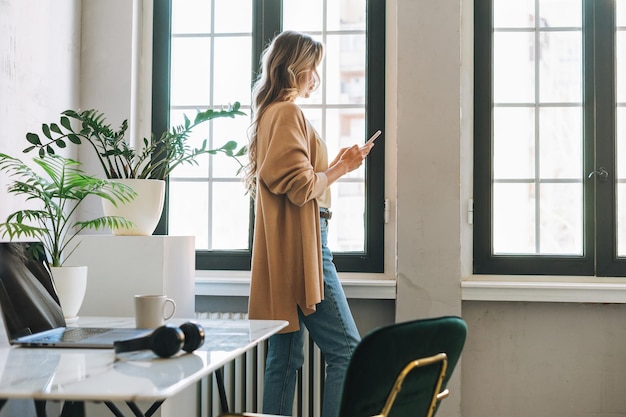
pixel 382 356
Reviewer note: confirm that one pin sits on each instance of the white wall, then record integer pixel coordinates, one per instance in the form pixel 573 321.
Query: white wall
pixel 39 78
pixel 521 359
pixel 116 60
pixel 39 72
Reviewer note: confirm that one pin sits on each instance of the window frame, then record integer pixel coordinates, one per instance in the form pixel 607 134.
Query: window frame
pixel 599 230
pixel 372 258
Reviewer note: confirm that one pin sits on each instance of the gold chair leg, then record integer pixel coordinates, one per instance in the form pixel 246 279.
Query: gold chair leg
pixel 397 386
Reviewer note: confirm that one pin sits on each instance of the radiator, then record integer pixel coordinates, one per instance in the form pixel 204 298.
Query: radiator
pixel 243 379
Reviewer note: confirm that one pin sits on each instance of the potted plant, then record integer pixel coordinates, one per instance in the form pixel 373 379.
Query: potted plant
pixel 157 158
pixel 58 193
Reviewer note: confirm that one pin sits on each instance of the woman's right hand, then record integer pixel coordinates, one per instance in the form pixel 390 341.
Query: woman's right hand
pixel 347 160
pixel 353 156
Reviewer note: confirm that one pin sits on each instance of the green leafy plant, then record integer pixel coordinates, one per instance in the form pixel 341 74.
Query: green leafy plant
pixel 59 192
pixel 156 159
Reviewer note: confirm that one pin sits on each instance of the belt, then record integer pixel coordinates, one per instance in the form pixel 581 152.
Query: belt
pixel 326 214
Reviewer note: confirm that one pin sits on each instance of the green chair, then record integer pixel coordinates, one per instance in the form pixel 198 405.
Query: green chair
pixel 402 370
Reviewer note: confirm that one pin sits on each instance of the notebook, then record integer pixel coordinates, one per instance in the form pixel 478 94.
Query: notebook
pixel 30 307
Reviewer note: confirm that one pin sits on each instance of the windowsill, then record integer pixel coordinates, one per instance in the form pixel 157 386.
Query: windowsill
pixel 237 284
pixel 557 289
pixel 477 288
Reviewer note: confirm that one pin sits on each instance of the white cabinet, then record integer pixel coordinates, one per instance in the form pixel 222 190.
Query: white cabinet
pixel 122 266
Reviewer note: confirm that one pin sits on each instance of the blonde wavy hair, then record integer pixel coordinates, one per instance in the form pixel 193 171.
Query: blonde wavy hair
pixel 284 66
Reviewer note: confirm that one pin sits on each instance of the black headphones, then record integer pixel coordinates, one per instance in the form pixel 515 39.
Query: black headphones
pixel 166 340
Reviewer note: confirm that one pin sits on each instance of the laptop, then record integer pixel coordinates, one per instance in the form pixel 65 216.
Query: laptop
pixel 30 307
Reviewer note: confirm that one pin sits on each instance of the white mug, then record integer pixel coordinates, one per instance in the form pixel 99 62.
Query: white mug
pixel 151 310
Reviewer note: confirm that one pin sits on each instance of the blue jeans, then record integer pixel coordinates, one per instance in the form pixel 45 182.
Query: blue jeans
pixel 333 330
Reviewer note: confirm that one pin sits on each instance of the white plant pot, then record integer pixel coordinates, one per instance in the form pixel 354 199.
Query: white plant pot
pixel 70 283
pixel 144 210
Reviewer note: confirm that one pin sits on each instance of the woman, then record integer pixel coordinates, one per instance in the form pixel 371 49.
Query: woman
pixel 293 275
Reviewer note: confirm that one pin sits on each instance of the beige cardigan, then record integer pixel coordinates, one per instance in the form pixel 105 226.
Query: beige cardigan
pixel 286 254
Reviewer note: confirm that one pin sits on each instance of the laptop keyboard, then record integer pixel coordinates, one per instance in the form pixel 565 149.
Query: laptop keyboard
pixel 80 333
pixel 74 334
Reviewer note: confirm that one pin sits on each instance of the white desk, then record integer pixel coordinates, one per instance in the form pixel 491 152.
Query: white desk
pixel 97 375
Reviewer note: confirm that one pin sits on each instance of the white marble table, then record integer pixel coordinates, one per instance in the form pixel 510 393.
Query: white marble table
pixel 79 375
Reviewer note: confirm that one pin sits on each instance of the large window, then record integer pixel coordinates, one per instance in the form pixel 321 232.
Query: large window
pixel 207 55
pixel 550 137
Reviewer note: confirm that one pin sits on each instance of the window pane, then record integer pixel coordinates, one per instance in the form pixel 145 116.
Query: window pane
pixel 191 16
pixel 513 219
pixel 228 210
pixel 225 130
pixel 620 57
pixel 509 14
pixel 190 69
pixel 345 128
pixel 562 13
pixel 209 71
pixel 620 140
pixel 345 69
pixel 303 16
pixel 233 60
pixel 514 68
pixel 560 74
pixel 620 128
pixel 230 216
pixel 188 208
pixel 197 135
pixel 513 143
pixel 345 15
pixel 621 181
pixel 620 12
pixel 621 219
pixel 525 221
pixel 560 142
pixel 232 16
pixel 561 219
pixel 348 217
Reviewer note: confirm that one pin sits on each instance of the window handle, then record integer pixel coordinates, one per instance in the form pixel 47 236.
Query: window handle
pixel 601 172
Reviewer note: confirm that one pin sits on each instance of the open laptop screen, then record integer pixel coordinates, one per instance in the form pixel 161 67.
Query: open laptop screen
pixel 27 296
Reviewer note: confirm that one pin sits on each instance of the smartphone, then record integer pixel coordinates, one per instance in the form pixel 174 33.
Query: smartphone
pixel 373 137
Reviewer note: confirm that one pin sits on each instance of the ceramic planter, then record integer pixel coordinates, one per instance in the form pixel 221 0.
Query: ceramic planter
pixel 70 283
pixel 144 210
